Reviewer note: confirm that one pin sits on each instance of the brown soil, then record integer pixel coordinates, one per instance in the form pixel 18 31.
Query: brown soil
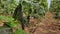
pixel 47 25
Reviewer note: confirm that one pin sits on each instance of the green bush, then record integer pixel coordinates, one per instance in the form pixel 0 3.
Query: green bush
pixel 10 22
pixel 55 8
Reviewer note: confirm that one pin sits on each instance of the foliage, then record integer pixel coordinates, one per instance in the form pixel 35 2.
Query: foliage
pixel 29 8
pixel 10 22
pixel 39 5
pixel 7 6
pixel 19 31
pixel 55 8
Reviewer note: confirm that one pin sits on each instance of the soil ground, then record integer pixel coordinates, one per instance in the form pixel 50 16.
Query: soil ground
pixel 47 25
